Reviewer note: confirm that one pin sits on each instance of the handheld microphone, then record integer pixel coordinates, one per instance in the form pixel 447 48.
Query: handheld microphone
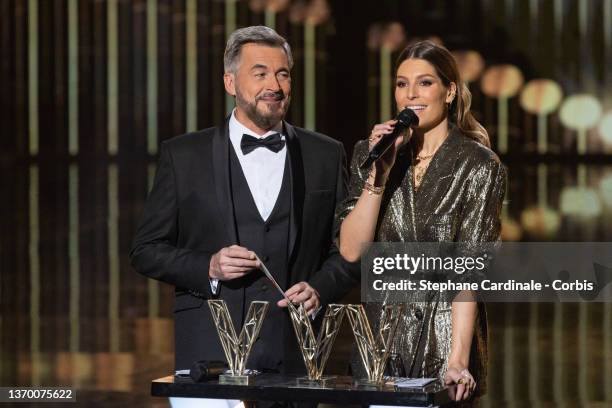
pixel 405 119
pixel 207 370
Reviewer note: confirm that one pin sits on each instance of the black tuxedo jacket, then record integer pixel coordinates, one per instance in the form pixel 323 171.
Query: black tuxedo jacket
pixel 188 217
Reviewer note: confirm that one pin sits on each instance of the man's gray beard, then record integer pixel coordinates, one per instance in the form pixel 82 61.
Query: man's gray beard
pixel 261 121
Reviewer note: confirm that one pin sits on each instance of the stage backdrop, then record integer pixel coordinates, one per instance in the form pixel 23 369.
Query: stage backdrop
pixel 89 88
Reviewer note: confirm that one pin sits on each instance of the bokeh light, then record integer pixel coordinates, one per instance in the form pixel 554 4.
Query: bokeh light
pixel 605 189
pixel 375 33
pixel 580 202
pixel 541 96
pixel 502 81
pixel 540 222
pixel 470 64
pixel 605 128
pixel 511 230
pixel 580 111
pixel 317 12
pixel 393 36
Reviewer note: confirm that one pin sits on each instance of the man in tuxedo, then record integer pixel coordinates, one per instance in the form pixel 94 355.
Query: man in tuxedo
pixel 255 185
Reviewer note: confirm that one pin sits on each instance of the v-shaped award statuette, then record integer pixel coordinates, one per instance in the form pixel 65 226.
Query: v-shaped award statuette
pixel 374 350
pixel 237 348
pixel 316 350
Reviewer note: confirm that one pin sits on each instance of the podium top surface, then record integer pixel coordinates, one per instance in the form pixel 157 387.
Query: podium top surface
pixel 276 387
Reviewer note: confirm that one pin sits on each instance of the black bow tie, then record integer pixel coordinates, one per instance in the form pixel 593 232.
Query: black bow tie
pixel 272 142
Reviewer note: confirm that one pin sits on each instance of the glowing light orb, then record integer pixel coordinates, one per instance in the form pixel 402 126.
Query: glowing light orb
pixel 541 96
pixel 275 6
pixel 470 64
pixel 540 222
pixel 580 201
pixel 394 36
pixel 501 81
pixel 317 12
pixel 375 33
pixel 298 12
pixel 605 189
pixel 580 112
pixel 257 6
pixel 511 230
pixel 605 128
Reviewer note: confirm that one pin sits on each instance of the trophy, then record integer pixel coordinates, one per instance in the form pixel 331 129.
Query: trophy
pixel 374 351
pixel 316 350
pixel 237 348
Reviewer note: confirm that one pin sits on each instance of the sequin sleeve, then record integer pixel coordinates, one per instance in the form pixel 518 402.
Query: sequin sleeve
pixel 480 224
pixel 482 207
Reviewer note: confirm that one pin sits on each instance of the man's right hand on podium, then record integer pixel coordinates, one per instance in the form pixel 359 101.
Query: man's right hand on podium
pixel 232 263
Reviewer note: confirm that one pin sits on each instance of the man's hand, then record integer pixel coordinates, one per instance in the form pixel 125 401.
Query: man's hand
pixel 302 292
pixel 231 263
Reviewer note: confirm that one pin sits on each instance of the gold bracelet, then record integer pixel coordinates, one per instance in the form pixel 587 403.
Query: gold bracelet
pixel 372 189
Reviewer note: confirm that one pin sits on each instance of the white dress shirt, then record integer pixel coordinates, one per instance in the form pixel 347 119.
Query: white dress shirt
pixel 262 168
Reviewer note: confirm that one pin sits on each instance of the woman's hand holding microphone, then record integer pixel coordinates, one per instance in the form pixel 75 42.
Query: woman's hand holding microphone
pixel 382 167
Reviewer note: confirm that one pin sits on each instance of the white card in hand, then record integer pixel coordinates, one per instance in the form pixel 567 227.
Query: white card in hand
pixel 266 272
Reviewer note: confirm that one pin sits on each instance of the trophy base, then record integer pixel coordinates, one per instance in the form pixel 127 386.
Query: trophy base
pixel 323 382
pixel 246 379
pixel 370 384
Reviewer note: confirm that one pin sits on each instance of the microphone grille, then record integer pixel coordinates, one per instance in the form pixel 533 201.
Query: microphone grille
pixel 408 117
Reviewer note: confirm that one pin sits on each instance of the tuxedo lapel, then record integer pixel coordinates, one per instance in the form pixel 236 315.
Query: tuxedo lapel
pixel 220 158
pixel 296 174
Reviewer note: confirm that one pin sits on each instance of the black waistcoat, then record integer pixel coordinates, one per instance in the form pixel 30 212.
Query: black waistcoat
pixel 269 240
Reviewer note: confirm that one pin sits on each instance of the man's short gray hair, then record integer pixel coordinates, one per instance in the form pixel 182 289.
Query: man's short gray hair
pixel 254 34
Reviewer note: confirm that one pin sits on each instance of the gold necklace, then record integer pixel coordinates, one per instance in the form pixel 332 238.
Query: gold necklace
pixel 420 169
pixel 421 158
pixel 419 173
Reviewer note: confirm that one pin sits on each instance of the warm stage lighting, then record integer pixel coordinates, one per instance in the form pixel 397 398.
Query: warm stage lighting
pixel 470 64
pixel 318 12
pixel 605 128
pixel 502 81
pixel 580 201
pixel 605 189
pixel 276 6
pixel 375 33
pixel 580 112
pixel 541 222
pixel 511 230
pixel 393 36
pixel 541 96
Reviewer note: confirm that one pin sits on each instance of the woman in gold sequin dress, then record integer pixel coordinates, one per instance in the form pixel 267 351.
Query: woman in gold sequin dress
pixel 439 182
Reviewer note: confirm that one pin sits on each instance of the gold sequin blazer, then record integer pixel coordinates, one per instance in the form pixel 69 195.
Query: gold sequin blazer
pixel 459 200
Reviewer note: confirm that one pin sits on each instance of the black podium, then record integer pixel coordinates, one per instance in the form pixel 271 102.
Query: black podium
pixel 274 387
